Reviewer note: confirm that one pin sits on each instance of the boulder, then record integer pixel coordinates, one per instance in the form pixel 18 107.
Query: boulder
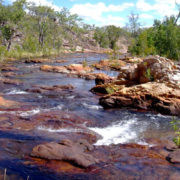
pixel 66 150
pixel 159 97
pixel 152 68
pixel 110 64
pixel 79 68
pixel 174 157
pixel 102 79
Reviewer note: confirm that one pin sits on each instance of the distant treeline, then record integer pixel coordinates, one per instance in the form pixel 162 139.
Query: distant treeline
pixel 162 39
pixel 25 27
pixel 29 28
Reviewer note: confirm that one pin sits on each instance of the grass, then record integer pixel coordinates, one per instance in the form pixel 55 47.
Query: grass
pixel 5 175
pixel 176 127
pixel 111 89
pixel 21 54
pixel 5 171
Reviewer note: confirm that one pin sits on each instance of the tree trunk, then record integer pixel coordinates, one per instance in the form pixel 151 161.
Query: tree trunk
pixel 9 45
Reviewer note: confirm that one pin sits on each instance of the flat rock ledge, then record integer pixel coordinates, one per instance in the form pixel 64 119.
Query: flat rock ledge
pixel 153 84
pixel 66 150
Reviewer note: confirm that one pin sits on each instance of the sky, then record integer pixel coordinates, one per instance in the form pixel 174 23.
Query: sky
pixel 115 12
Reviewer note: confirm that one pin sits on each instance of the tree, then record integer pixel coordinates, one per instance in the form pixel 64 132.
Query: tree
pixel 113 35
pixel 42 19
pixel 134 24
pixel 163 39
pixel 10 17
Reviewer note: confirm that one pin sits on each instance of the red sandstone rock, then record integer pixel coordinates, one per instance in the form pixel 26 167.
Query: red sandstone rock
pixel 10 81
pixel 4 103
pixel 9 68
pixel 110 64
pixel 159 97
pixel 38 60
pixel 61 61
pixel 8 74
pixel 67 151
pixel 152 68
pixel 55 88
pixel 174 156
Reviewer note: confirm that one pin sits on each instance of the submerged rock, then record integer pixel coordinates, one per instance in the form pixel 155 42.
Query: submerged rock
pixel 55 88
pixel 77 70
pixel 38 60
pixel 4 103
pixel 61 61
pixel 9 74
pixel 8 68
pixel 10 81
pixel 72 68
pixel 66 150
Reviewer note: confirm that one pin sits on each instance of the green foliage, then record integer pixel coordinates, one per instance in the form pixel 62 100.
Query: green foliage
pixel 162 39
pixel 108 36
pixel 134 25
pixel 176 127
pixel 3 53
pixel 149 75
pixel 85 63
pixel 27 29
pixel 10 16
pixel 111 89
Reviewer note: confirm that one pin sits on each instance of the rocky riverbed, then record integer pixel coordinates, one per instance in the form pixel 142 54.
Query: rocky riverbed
pixel 53 127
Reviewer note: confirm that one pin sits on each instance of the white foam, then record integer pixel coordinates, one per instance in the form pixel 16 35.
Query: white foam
pixel 122 132
pixel 95 107
pixel 58 130
pixel 70 97
pixel 29 113
pixel 16 91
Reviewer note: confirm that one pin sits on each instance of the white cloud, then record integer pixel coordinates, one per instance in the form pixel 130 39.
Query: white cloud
pixel 146 16
pixel 44 3
pixel 144 6
pixel 95 12
pixel 161 7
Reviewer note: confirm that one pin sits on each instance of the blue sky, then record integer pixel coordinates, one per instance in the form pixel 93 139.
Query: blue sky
pixel 115 12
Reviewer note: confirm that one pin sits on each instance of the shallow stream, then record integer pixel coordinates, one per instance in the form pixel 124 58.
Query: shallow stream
pixel 21 129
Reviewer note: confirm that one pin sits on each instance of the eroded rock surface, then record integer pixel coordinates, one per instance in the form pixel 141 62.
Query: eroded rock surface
pixel 110 64
pixel 73 69
pixel 152 68
pixel 4 103
pixel 174 156
pixel 66 150
pixel 153 84
pixel 55 88
pixel 154 96
pixel 77 70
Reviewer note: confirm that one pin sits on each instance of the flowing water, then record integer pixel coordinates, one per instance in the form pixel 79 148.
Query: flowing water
pixel 23 128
